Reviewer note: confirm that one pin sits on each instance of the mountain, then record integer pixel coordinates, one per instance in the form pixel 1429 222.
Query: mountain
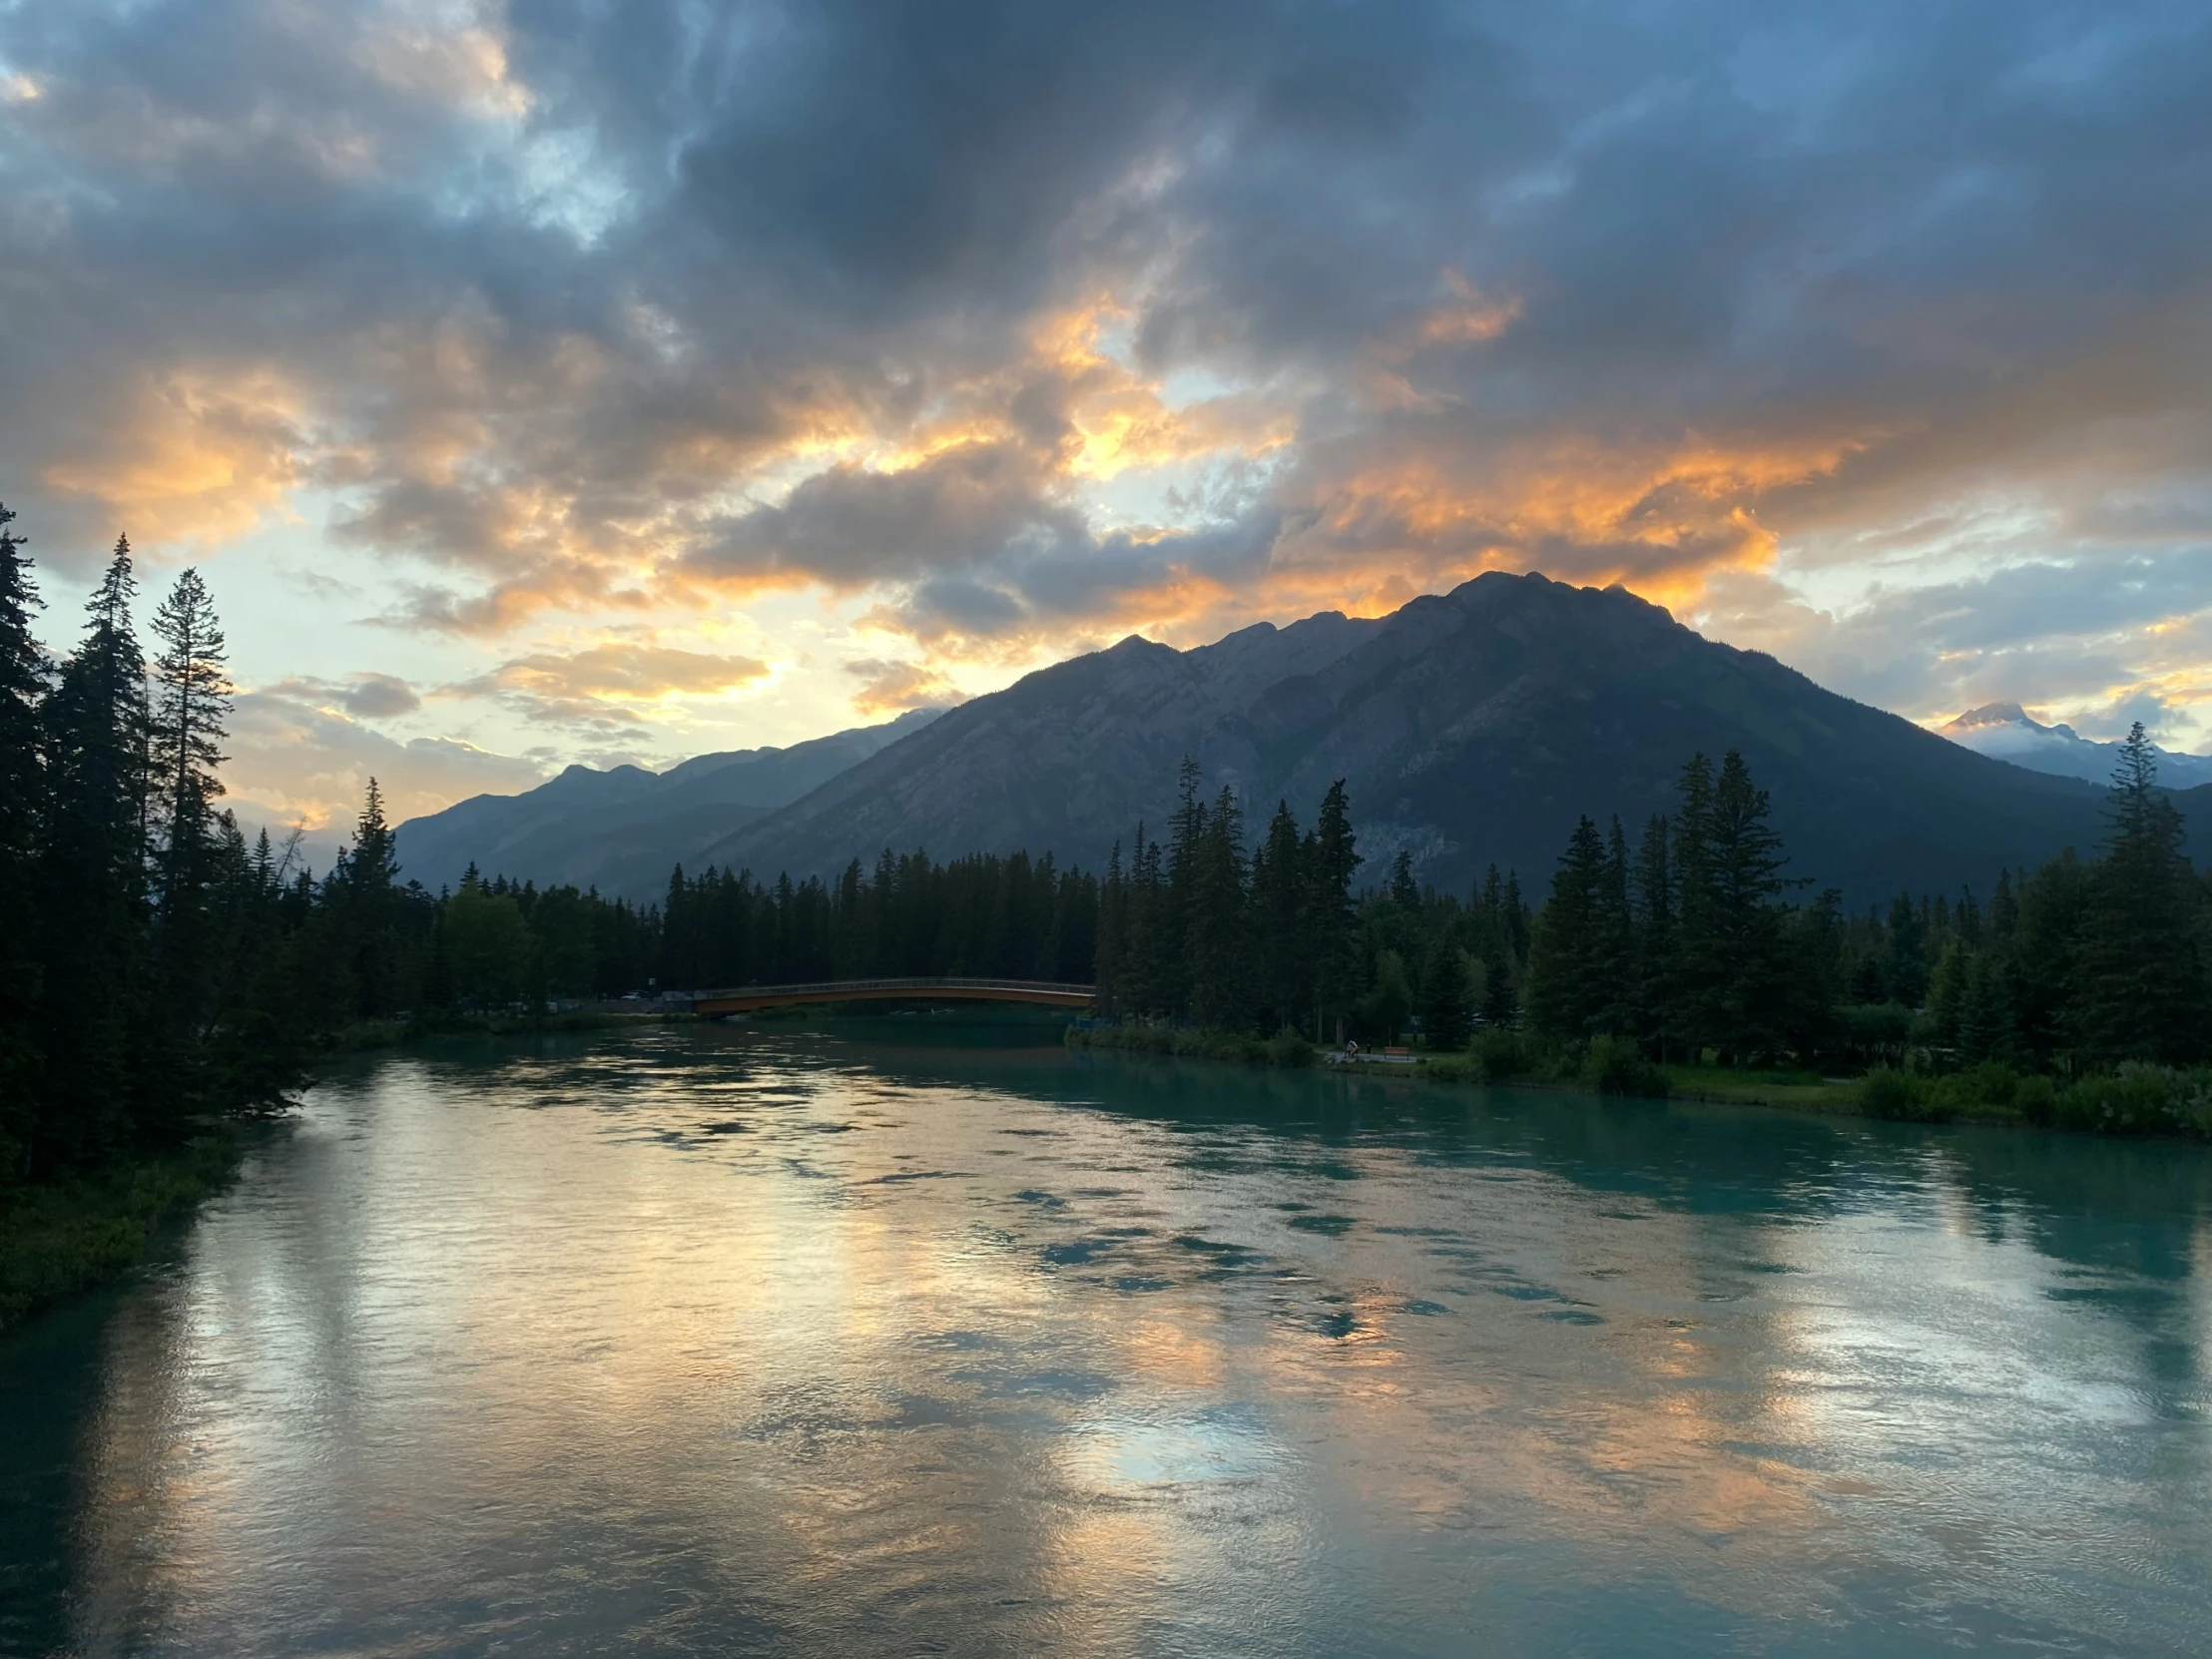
pixel 621 830
pixel 1472 727
pixel 2005 731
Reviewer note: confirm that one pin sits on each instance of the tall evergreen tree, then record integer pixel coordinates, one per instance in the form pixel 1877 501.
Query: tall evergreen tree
pixel 185 728
pixel 363 897
pixel 1215 941
pixel 1744 861
pixel 1446 1014
pixel 23 687
pixel 1654 1020
pixel 1188 827
pixel 1280 961
pixel 1617 937
pixel 94 863
pixel 1569 955
pixel 1330 863
pixel 1500 999
pixel 2143 948
pixel 1113 936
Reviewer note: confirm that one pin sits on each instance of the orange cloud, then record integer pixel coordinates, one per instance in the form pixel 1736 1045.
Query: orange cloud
pixel 628 670
pixel 197 455
pixel 892 688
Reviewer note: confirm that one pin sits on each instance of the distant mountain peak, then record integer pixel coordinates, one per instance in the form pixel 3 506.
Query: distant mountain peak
pixel 2006 732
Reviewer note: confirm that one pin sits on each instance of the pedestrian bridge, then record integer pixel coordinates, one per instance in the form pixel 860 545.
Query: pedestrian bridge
pixel 745 1000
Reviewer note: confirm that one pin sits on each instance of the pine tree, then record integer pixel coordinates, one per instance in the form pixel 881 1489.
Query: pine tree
pixel 2144 994
pixel 1403 892
pixel 23 688
pixel 1616 938
pixel 1215 941
pixel 192 696
pixel 1984 1024
pixel 1700 967
pixel 1182 876
pixel 1568 955
pixel 1113 934
pixel 364 896
pixel 1752 973
pixel 1446 1016
pixel 1905 973
pixel 1152 941
pixel 1329 861
pixel 93 859
pixel 1500 1003
pixel 1654 1020
pixel 1280 961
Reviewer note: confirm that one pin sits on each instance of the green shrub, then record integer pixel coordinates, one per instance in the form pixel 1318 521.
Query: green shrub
pixel 1616 1067
pixel 1500 1054
pixel 1891 1094
pixel 2035 1099
pixel 2137 1100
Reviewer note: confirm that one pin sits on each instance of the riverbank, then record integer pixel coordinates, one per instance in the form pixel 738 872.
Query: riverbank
pixel 363 1036
pixel 58 1240
pixel 1286 1049
pixel 2134 1099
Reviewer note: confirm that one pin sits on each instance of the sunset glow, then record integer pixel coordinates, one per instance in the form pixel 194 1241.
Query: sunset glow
pixel 620 383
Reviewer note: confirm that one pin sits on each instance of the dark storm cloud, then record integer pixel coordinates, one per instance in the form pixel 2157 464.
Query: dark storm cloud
pixel 556 299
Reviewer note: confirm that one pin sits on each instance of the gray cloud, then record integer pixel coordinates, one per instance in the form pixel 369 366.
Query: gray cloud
pixel 295 758
pixel 379 696
pixel 549 302
pixel 2033 634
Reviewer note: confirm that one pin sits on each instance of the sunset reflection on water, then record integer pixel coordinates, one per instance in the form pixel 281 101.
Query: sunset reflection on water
pixel 700 1342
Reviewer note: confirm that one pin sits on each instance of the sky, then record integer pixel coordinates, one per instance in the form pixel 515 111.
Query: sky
pixel 615 380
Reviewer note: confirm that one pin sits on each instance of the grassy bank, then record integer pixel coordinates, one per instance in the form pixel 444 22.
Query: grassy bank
pixel 1287 1049
pixel 69 1237
pixel 2131 1100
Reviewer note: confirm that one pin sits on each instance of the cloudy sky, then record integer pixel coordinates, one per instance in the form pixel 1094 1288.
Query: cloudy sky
pixel 618 379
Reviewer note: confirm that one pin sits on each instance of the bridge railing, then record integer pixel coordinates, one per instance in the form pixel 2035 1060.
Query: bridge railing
pixel 836 987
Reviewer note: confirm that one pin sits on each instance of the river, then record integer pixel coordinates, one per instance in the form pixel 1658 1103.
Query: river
pixel 839 1342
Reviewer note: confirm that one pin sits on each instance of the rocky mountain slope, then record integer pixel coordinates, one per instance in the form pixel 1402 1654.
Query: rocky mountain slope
pixel 623 829
pixel 1472 727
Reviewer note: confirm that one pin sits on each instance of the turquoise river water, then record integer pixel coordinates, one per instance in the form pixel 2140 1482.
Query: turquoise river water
pixel 819 1342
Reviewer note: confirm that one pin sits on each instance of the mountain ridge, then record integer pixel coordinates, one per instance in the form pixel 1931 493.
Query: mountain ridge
pixel 1472 727
pixel 624 828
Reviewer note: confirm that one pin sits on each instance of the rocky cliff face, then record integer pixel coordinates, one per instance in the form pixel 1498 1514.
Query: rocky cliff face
pixel 1471 727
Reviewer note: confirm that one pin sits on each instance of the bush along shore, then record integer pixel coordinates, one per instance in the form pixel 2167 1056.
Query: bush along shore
pixel 2136 1098
pixel 58 1238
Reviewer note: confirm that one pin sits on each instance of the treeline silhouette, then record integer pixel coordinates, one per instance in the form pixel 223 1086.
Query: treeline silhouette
pixel 1687 947
pixel 984 915
pixel 155 968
